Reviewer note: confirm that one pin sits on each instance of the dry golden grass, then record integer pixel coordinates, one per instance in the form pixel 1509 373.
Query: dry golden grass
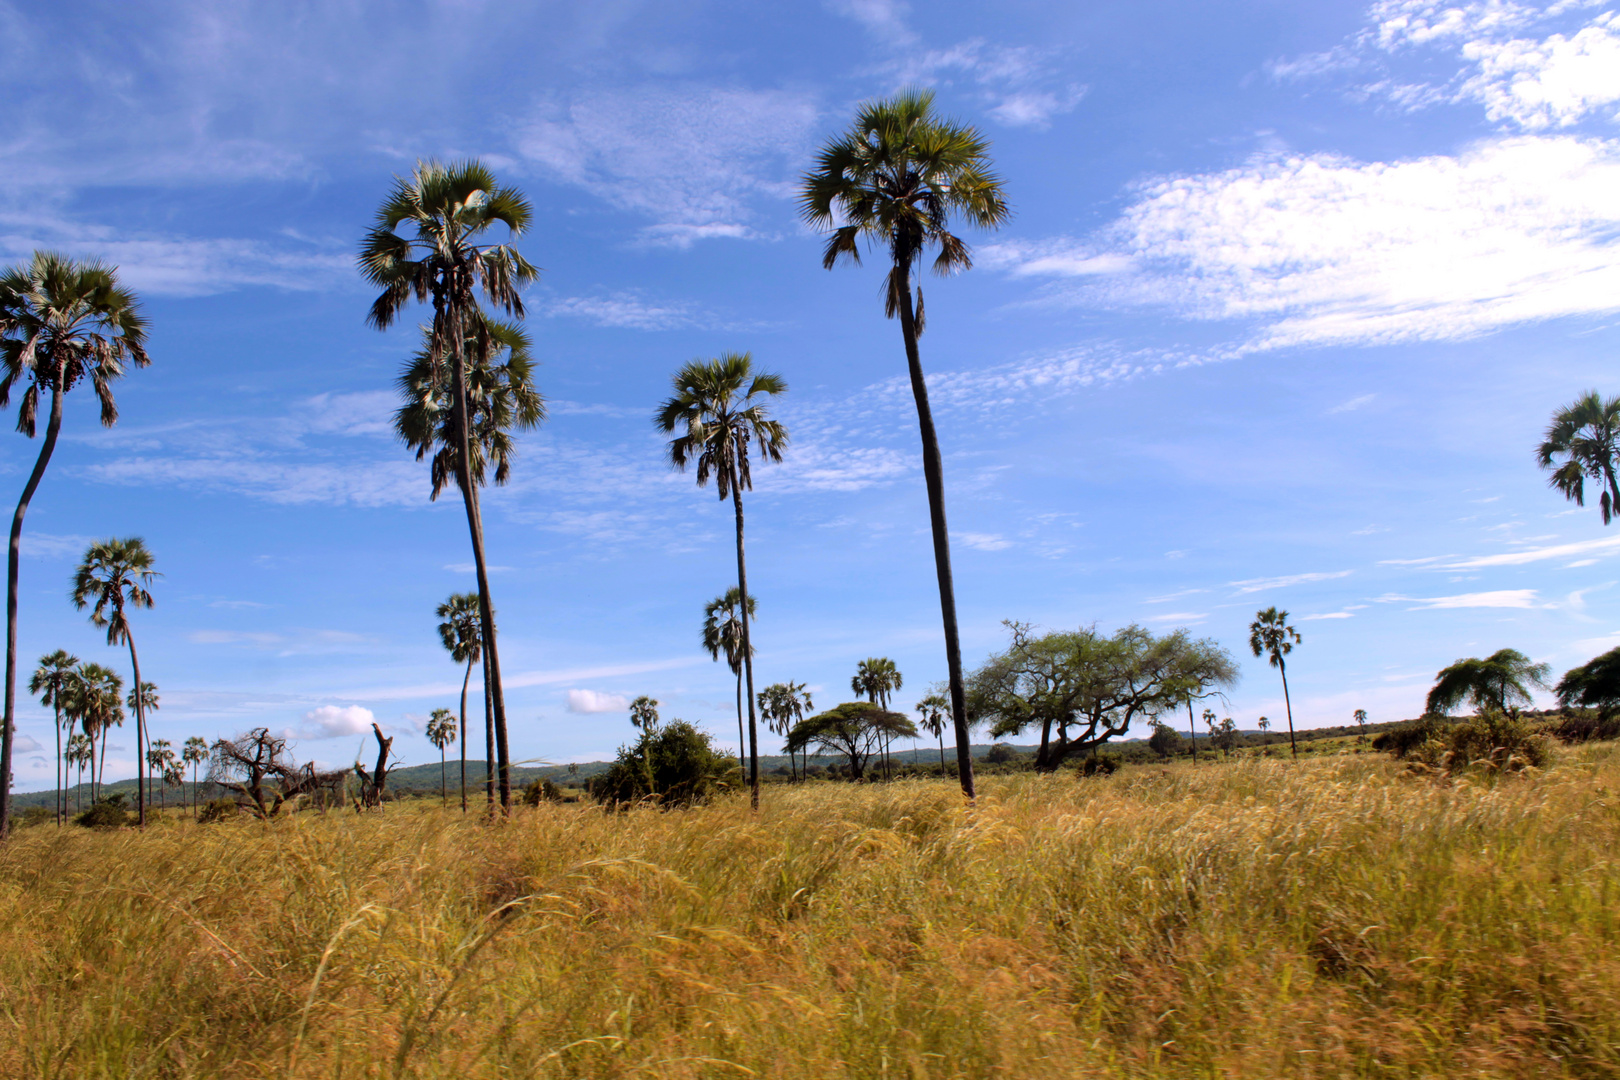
pixel 1331 918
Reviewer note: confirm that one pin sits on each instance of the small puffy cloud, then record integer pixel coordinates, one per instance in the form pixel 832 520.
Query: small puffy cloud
pixel 591 701
pixel 334 721
pixel 25 744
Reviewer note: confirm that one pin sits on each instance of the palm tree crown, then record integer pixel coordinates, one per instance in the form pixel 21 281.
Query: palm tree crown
pixel 896 177
pixel 722 628
pixel 720 406
pixel 1586 434
pixel 114 574
pixel 1271 636
pixel 500 397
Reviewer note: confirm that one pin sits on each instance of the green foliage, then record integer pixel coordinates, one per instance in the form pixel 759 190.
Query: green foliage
pixel 1000 753
pixel 1497 742
pixel 682 762
pixel 1501 681
pixel 855 730
pixel 105 813
pixel 219 810
pixel 1586 727
pixel 1585 434
pixel 541 790
pixel 1098 765
pixel 1165 741
pixel 35 815
pixel 1404 741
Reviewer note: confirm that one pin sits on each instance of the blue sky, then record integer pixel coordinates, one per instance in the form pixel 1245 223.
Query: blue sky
pixel 1288 296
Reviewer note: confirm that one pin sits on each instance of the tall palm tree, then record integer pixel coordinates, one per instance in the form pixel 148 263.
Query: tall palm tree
pixel 78 753
pixel 897 177
pixel 1502 681
pixel 934 709
pixel 718 408
pixel 100 710
pixel 441 732
pixel 448 209
pixel 877 677
pixel 782 705
pixel 460 629
pixel 60 321
pixel 146 707
pixel 1271 636
pixel 113 577
pixel 160 759
pixel 194 754
pixel 722 633
pixel 1586 435
pixel 50 683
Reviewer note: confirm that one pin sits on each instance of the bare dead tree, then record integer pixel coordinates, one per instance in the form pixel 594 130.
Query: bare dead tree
pixel 244 765
pixel 372 784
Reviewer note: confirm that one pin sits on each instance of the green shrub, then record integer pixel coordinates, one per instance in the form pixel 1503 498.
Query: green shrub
pixel 1098 765
pixel 538 791
pixel 1000 753
pixel 1495 741
pixel 1411 740
pixel 105 813
pixel 35 815
pixel 681 762
pixel 1585 727
pixel 219 810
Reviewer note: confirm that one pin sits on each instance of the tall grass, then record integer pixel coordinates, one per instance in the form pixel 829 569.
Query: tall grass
pixel 1336 917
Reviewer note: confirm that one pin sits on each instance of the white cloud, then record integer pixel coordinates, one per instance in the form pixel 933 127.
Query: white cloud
pixel 1180 616
pixel 886 19
pixel 24 744
pixel 591 701
pixel 1021 86
pixel 1353 404
pixel 1328 615
pixel 984 541
pixel 1500 598
pixel 1604 546
pixel 1320 249
pixel 1258 584
pixel 626 310
pixel 472 568
pixel 335 721
pixel 1549 83
pixel 691 158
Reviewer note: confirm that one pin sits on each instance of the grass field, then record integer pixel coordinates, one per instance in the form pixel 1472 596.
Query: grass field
pixel 1335 917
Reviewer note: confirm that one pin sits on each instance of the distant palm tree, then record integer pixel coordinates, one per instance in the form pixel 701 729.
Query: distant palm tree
pixel 100 710
pixel 1271 636
pixel 60 321
pixel 461 631
pixel 718 408
pixel 1501 681
pixel 935 709
pixel 50 683
pixel 78 753
pixel 782 705
pixel 441 732
pixel 878 678
pixel 450 207
pixel 194 754
pixel 148 706
pixel 1586 435
pixel 896 178
pixel 113 575
pixel 644 718
pixel 722 633
pixel 1265 726
pixel 1361 722
pixel 160 759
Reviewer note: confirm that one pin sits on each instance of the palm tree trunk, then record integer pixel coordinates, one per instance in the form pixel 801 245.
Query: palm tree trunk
pixel 61 762
pixel 475 526
pixel 742 739
pixel 1290 707
pixel 489 743
pixel 140 730
pixel 747 648
pixel 934 478
pixel 444 795
pixel 464 681
pixel 8 722
pixel 941 734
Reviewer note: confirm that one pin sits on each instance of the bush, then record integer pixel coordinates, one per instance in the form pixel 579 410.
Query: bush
pixel 1001 753
pixel 1586 727
pixel 1495 741
pixel 1098 765
pixel 538 791
pixel 1165 741
pixel 1411 739
pixel 105 813
pixel 219 810
pixel 35 815
pixel 682 763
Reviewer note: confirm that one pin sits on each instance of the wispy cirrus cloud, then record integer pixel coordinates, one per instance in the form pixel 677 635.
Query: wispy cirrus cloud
pixel 1254 585
pixel 1497 598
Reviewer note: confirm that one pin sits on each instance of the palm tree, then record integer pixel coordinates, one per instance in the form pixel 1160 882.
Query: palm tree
pixel 60 321
pixel 100 710
pixel 50 684
pixel 160 759
pixel 146 707
pixel 782 705
pixel 78 752
pixel 877 677
pixel 1361 722
pixel 722 632
pixel 1586 434
pixel 114 574
pixel 441 732
pixel 644 718
pixel 1272 637
pixel 450 207
pixel 896 178
pixel 1501 681
pixel 719 407
pixel 934 709
pixel 194 754
pixel 460 630
pixel 1265 726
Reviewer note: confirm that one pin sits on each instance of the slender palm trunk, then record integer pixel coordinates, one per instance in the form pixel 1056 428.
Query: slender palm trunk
pixel 444 794
pixel 464 681
pixel 195 790
pixel 8 723
pixel 475 526
pixel 742 739
pixel 1290 707
pixel 61 762
pixel 934 478
pixel 1192 731
pixel 489 743
pixel 140 728
pixel 747 648
pixel 941 734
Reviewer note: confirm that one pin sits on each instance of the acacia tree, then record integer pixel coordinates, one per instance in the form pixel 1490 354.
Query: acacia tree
pixel 61 321
pixel 855 729
pixel 1082 688
pixel 896 178
pixel 1501 681
pixel 1585 434
pixel 722 633
pixel 1271 636
pixel 194 754
pixel 113 576
pixel 51 683
pixel 459 630
pixel 719 407
pixel 450 207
